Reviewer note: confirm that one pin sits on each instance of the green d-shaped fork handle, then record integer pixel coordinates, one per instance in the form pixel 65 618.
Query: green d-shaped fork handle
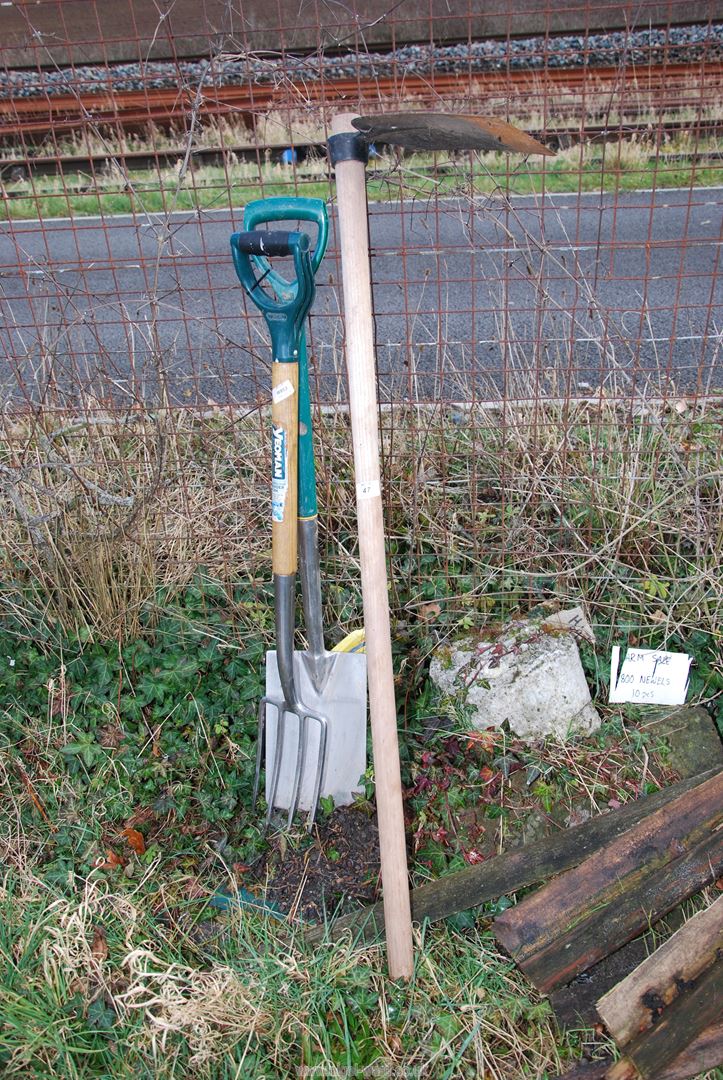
pixel 285 316
pixel 288 209
pixel 295 209
pixel 285 320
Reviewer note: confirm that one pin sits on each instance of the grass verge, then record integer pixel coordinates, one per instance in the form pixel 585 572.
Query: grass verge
pixel 630 165
pixel 96 985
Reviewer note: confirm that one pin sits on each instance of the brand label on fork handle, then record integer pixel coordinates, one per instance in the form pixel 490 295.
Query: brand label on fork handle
pixel 279 472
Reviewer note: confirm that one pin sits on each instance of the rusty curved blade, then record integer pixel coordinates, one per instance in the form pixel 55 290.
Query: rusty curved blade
pixel 447 131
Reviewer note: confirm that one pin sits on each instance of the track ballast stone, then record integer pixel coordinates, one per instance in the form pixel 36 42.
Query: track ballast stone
pixel 676 45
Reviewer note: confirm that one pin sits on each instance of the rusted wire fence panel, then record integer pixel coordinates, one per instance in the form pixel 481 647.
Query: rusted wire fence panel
pixel 548 329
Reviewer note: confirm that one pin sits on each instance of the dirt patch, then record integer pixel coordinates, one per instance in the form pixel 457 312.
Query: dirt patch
pixel 339 866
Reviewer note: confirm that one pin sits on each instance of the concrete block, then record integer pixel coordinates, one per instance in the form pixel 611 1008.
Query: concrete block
pixel 528 676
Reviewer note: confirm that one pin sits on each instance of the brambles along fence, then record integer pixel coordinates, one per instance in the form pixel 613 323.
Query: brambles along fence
pixel 548 330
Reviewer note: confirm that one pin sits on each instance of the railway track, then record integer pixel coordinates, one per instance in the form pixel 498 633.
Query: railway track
pixel 573 92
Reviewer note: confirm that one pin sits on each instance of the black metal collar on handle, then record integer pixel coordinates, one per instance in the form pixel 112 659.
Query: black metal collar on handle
pixel 348 146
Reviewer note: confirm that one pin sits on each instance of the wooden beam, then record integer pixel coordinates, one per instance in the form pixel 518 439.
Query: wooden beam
pixel 635 1004
pixel 653 1054
pixel 703 1053
pixel 512 870
pixel 585 914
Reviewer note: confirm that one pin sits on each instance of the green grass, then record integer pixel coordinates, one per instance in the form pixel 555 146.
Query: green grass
pixel 620 169
pixel 94 985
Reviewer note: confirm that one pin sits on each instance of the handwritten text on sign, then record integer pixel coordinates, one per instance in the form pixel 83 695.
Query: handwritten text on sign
pixel 649 676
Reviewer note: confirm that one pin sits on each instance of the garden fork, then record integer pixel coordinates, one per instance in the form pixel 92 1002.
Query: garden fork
pixel 285 319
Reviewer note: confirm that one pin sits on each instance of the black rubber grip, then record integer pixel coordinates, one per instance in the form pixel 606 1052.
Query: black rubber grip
pixel 261 242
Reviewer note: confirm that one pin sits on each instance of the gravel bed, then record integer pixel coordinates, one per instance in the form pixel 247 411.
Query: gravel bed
pixel 679 44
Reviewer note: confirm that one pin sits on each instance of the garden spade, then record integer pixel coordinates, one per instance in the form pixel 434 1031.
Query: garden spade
pixel 312 719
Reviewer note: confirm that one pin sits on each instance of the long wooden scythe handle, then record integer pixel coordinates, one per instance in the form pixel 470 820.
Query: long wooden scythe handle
pixel 353 228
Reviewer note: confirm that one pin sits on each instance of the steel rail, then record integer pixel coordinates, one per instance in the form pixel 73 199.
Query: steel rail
pixel 661 86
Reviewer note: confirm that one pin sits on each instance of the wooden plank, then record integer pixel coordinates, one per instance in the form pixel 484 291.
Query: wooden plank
pixel 635 1003
pixel 703 1053
pixel 627 915
pixel 512 870
pixel 659 1049
pixel 585 914
pixel 603 927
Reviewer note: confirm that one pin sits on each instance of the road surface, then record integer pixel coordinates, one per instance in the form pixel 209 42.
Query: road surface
pixel 473 301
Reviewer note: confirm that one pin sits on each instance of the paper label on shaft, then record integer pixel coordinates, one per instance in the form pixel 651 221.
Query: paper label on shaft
pixel 282 391
pixel 649 676
pixel 368 489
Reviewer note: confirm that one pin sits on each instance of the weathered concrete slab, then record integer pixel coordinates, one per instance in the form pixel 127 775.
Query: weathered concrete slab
pixel 692 738
pixel 530 677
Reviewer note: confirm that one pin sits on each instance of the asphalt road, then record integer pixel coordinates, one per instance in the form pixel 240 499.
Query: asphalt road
pixel 557 296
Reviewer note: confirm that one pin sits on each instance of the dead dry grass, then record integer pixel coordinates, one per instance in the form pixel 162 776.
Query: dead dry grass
pixel 99 511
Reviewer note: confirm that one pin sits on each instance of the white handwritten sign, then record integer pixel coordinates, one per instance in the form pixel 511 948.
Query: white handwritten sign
pixel 649 676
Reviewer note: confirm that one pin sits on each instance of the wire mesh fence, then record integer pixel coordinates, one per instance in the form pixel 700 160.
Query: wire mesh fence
pixel 548 329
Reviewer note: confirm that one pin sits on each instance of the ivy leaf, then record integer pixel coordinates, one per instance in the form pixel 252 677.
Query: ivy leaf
pixel 73 748
pixel 100 1016
pixel 85 748
pixel 103 672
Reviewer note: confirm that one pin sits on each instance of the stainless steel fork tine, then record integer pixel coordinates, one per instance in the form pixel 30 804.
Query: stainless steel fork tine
pixel 304 718
pixel 301 764
pixel 278 754
pixel 299 770
pixel 320 769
